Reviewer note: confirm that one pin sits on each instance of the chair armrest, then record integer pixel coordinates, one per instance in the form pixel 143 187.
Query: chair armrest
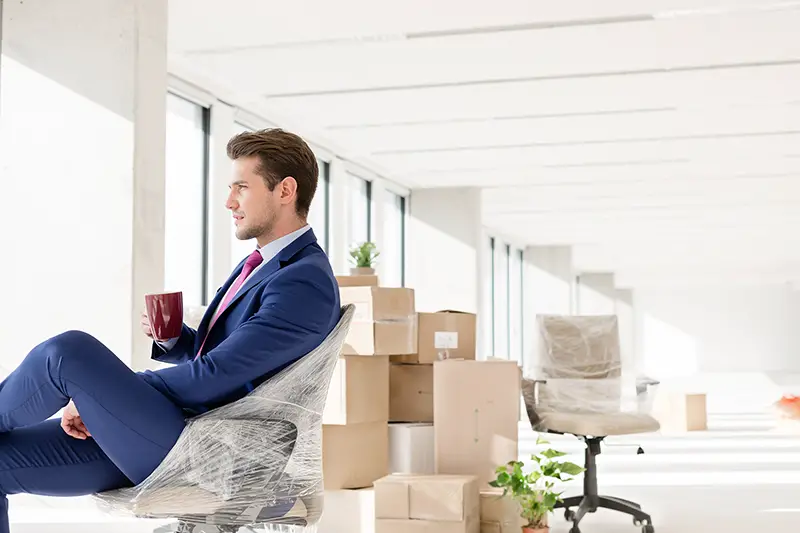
pixel 644 382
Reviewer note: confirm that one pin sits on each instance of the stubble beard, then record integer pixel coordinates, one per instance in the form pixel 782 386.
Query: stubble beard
pixel 252 232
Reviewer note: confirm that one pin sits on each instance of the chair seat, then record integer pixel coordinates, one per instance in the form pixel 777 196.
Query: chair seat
pixel 166 502
pixel 598 424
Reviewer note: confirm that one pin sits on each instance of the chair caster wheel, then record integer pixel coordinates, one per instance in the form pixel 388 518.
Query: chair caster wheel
pixel 569 515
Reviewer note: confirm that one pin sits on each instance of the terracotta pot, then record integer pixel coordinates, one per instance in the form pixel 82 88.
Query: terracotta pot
pixel 545 529
pixel 362 271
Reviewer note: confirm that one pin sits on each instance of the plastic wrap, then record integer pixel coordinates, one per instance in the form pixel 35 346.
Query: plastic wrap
pixel 256 462
pixel 579 384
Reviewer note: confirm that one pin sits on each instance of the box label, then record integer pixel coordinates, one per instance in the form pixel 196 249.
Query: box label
pixel 445 340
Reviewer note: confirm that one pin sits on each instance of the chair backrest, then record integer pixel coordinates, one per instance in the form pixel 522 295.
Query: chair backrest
pixel 578 347
pixel 579 358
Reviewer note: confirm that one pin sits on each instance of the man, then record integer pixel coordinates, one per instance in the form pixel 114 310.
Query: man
pixel 278 305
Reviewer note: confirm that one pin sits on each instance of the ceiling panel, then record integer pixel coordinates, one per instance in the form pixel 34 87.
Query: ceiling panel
pixel 537 54
pixel 654 125
pixel 686 91
pixel 709 150
pixel 210 24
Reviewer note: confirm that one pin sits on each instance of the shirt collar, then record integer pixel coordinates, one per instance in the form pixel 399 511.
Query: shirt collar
pixel 271 249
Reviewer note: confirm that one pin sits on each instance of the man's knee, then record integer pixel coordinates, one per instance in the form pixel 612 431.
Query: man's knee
pixel 72 344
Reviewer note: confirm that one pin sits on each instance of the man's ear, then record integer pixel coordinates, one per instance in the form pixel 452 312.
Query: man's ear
pixel 288 189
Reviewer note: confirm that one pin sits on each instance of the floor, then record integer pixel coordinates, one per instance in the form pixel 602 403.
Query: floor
pixel 740 476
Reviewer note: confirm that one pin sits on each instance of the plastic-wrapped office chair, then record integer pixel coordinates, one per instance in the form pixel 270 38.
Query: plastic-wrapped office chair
pixel 255 463
pixel 579 389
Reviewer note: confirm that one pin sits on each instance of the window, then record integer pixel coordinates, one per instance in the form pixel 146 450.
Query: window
pixel 393 252
pixel 501 323
pixel 360 209
pixel 320 206
pixel 185 257
pixel 240 249
pixel 515 304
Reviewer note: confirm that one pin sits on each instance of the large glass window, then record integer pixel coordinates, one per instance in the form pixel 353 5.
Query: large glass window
pixel 240 249
pixel 393 250
pixel 501 323
pixel 320 206
pixel 186 193
pixel 515 304
pixel 360 209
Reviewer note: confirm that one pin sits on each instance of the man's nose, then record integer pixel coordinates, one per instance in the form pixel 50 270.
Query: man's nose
pixel 231 202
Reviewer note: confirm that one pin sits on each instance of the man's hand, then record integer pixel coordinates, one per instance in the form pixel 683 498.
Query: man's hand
pixel 146 325
pixel 72 424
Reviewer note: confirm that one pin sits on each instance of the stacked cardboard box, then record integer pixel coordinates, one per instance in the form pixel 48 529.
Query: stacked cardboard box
pixel 355 437
pixel 441 335
pixel 429 504
pixel 475 416
pixel 499 513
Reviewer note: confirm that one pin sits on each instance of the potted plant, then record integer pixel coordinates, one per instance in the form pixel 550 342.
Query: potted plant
pixel 363 256
pixel 535 491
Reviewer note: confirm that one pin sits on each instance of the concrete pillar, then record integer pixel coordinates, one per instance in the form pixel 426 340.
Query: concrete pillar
pixel 443 245
pixel 446 254
pixel 548 282
pixel 596 294
pixel 82 124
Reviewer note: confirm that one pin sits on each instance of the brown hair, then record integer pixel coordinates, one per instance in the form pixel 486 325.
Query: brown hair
pixel 281 154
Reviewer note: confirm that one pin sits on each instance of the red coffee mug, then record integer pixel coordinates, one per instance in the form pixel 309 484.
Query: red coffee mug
pixel 165 313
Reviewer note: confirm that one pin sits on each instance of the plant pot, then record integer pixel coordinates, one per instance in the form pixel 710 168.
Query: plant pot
pixel 545 529
pixel 362 271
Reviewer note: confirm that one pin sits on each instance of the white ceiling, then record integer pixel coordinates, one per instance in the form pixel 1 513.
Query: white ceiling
pixel 661 138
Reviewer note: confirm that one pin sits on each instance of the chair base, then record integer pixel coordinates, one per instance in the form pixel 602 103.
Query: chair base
pixel 590 501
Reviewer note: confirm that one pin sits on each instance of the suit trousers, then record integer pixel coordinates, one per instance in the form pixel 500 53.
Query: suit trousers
pixel 133 426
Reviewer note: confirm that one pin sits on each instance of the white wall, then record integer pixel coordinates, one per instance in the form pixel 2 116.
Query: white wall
pixel 82 112
pixel 443 247
pixel 743 341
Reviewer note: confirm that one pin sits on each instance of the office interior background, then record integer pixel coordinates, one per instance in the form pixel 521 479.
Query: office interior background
pixel 638 158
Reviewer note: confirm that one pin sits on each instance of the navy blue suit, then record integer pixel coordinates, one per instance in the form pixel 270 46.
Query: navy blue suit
pixel 283 311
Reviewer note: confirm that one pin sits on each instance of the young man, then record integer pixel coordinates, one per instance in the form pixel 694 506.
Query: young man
pixel 278 305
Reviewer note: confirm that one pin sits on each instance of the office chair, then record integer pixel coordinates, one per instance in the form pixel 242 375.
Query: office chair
pixel 578 389
pixel 255 463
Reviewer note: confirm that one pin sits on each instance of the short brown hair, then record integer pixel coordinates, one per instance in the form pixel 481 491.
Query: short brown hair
pixel 281 154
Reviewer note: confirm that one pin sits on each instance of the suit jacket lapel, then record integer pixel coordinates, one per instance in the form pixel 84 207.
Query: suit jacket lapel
pixel 267 270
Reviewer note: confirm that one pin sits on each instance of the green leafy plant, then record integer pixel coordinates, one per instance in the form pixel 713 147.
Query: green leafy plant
pixel 363 255
pixel 535 491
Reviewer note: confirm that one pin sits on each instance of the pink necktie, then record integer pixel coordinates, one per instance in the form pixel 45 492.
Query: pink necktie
pixel 252 262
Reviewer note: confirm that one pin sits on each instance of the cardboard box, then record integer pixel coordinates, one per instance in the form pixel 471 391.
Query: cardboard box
pixel 679 412
pixel 348 511
pixel 411 393
pixel 411 449
pixel 359 391
pixel 354 456
pixel 500 514
pixel 357 281
pixel 443 335
pixel 384 323
pixel 418 497
pixel 475 416
pixel 388 525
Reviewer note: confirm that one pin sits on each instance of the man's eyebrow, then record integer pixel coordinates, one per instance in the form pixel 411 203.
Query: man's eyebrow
pixel 238 182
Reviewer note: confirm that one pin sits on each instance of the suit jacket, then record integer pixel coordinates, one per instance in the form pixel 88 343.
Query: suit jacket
pixel 282 312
